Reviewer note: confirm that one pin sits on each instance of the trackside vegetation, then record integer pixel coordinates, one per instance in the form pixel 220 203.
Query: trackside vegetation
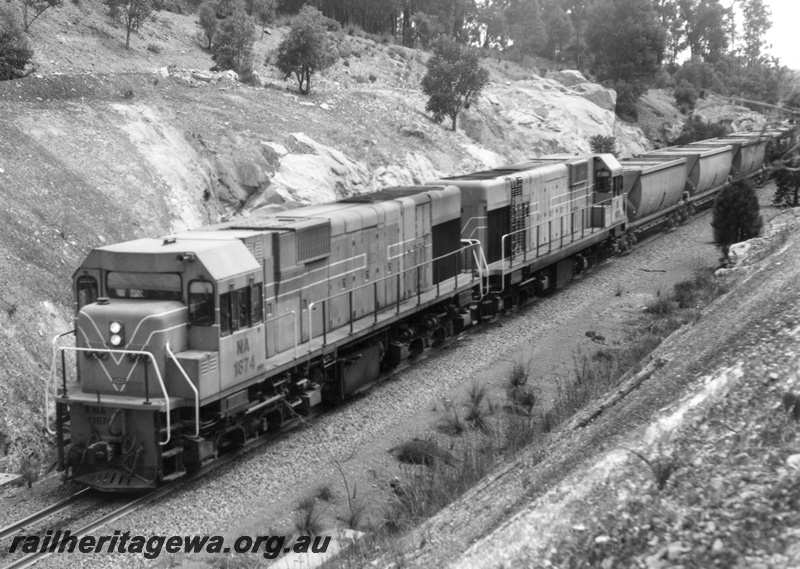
pixel 478 434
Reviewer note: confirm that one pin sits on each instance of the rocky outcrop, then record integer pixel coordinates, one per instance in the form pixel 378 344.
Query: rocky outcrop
pixel 735 118
pixel 659 117
pixel 543 116
pixel 568 77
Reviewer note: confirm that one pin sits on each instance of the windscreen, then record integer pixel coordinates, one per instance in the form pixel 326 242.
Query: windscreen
pixel 150 286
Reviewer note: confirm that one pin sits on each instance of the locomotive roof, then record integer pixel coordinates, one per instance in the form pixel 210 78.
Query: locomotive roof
pixel 222 258
pixel 508 170
pixel 389 194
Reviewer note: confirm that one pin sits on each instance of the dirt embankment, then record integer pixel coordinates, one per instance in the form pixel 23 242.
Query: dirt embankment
pixel 698 467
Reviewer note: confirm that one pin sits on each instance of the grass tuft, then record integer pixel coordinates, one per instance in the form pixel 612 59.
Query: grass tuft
pixel 307 519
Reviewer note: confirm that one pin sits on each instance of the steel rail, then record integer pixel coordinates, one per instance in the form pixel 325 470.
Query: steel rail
pixel 42 514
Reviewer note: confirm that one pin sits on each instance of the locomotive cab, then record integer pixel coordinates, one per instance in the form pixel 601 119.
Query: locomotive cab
pixel 155 322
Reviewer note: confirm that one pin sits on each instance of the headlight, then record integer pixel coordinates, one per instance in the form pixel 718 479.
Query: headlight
pixel 115 327
pixel 116 340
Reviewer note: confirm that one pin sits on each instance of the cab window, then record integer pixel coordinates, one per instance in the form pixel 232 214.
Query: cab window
pixel 201 303
pixel 87 291
pixel 241 308
pixel 225 314
pixel 257 299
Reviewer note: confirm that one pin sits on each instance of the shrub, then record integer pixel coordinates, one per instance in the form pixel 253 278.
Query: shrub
pixel 29 471
pixel 307 520
pixel 695 129
pixel 685 96
pixel 604 144
pixel 478 408
pixel 736 215
pixel 627 96
pixel 787 182
pixel 15 51
pixel 154 48
pixel 233 43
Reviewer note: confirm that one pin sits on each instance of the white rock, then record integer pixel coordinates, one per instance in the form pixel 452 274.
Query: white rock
pixel 569 77
pixel 599 95
pixel 738 252
pixel 279 149
pixel 201 76
pixel 163 72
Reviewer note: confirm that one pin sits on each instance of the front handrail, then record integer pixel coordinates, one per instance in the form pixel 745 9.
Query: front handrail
pixel 137 353
pixel 50 378
pixel 480 262
pixel 196 392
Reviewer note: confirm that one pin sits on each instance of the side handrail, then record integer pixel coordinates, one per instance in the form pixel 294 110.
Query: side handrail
pixel 196 392
pixel 473 244
pixel 50 378
pixel 605 203
pixel 137 353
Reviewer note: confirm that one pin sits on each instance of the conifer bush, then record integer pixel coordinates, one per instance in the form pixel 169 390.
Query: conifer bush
pixel 736 215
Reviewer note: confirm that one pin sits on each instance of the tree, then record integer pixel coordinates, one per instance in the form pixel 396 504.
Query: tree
pixel 559 31
pixel 669 13
pixel 454 79
pixel 627 42
pixel 577 10
pixel 132 12
pixel 264 13
pixel 32 9
pixel 527 29
pixel 756 24
pixel 15 51
pixel 233 43
pixel 306 49
pixel 208 20
pixel 736 215
pixel 706 30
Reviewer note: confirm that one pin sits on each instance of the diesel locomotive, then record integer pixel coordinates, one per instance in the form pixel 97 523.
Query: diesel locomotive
pixel 191 345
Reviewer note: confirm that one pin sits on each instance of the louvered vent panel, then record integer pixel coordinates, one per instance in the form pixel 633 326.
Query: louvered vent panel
pixel 313 242
pixel 209 364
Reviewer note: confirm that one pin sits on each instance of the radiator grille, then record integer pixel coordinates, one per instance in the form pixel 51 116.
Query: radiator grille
pixel 313 242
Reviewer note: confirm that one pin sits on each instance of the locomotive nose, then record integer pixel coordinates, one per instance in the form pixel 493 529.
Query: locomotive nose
pixel 124 339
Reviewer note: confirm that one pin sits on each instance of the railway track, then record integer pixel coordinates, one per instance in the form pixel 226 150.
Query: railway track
pixel 42 514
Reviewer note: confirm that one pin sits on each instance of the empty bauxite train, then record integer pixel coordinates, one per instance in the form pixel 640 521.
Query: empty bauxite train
pixel 196 343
